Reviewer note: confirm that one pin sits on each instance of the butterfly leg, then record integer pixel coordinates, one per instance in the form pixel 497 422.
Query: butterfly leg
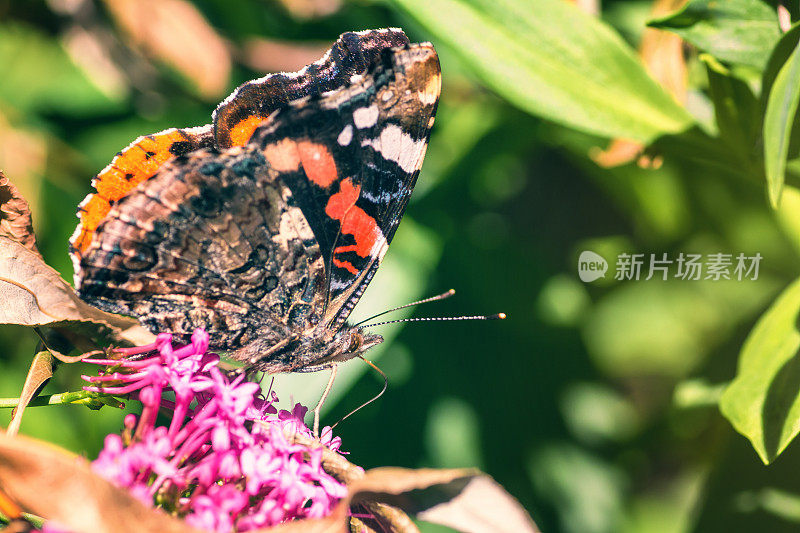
pixel 318 408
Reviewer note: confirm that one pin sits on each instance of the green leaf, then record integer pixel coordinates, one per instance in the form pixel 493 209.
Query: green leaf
pixel 788 216
pixel 736 109
pixel 762 401
pixel 778 57
pixel 550 59
pixel 737 31
pixel 778 120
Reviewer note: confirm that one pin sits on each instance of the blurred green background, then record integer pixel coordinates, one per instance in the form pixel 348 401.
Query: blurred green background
pixel 595 404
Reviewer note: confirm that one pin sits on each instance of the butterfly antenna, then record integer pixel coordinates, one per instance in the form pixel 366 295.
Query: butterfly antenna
pixel 436 298
pixel 363 405
pixel 498 316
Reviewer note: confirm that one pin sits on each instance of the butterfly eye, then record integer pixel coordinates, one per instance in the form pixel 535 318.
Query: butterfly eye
pixel 356 340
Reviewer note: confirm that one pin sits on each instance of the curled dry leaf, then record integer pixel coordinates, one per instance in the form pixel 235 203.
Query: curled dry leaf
pixel 15 215
pixel 54 484
pixel 33 294
pixel 480 505
pixel 464 499
pixel 662 54
pixel 40 371
pixel 175 32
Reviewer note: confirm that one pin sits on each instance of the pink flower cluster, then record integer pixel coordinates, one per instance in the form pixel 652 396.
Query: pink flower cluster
pixel 224 463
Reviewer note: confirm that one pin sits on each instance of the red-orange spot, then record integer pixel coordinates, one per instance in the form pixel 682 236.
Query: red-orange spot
pixel 347 265
pixel 318 163
pixel 135 164
pixel 354 220
pixel 241 132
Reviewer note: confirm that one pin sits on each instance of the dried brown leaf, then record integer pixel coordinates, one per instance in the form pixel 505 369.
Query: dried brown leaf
pixel 269 55
pixel 56 485
pixel 33 294
pixel 307 9
pixel 175 32
pixel 23 154
pixel 662 55
pixel 481 506
pixel 40 371
pixel 382 484
pixel 15 215
pixel 464 499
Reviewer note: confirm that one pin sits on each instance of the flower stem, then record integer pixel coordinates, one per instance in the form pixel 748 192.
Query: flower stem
pixel 91 399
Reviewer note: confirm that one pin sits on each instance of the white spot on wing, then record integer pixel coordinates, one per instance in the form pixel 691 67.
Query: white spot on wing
pixel 428 98
pixel 396 145
pixel 366 117
pixel 346 136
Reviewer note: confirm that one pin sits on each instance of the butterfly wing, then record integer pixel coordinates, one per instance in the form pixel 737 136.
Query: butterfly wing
pixel 351 158
pixel 234 120
pixel 281 236
pixel 211 241
pixel 130 167
pixel 353 54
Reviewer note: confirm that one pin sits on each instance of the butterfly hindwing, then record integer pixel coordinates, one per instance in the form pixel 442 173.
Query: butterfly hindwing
pixel 136 163
pixel 213 242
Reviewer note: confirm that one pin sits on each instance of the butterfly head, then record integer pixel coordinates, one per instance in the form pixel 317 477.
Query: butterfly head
pixel 347 343
pixel 315 349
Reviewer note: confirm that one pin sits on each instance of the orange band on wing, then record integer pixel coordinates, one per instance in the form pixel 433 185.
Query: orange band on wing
pixel 347 265
pixel 135 164
pixel 241 132
pixel 287 155
pixel 318 163
pixel 354 220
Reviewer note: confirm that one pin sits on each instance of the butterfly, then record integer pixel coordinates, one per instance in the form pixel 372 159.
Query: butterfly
pixel 266 226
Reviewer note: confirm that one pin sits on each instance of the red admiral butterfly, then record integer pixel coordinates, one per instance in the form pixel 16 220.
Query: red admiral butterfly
pixel 266 226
